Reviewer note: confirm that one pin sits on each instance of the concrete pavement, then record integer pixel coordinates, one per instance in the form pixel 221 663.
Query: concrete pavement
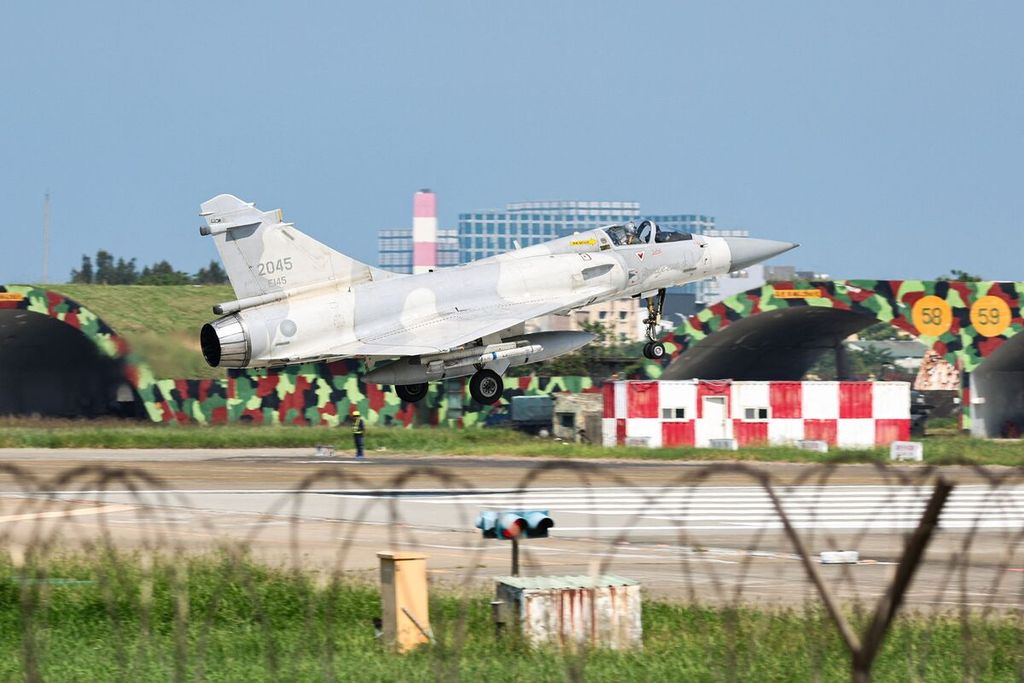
pixel 685 530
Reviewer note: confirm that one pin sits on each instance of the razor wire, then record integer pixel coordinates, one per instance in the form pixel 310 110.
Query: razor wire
pixel 968 570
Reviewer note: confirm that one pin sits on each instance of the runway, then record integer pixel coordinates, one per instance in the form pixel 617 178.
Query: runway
pixel 684 530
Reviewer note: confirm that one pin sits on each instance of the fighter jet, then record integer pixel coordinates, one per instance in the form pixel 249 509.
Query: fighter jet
pixel 300 301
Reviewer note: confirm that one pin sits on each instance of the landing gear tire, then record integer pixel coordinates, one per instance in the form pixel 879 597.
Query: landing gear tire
pixel 486 386
pixel 654 350
pixel 410 393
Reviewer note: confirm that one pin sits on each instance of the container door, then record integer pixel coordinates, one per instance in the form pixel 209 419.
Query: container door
pixel 715 413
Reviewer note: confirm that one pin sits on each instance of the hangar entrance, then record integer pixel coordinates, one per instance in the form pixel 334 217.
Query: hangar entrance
pixel 51 369
pixel 775 345
pixel 997 398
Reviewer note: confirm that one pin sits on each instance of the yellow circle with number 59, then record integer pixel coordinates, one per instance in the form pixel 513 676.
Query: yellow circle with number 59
pixel 990 316
pixel 932 316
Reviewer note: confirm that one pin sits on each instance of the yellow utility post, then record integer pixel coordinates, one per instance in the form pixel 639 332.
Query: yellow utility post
pixel 403 596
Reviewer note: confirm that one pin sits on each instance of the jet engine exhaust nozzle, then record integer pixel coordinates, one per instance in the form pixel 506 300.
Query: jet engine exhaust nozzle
pixel 225 343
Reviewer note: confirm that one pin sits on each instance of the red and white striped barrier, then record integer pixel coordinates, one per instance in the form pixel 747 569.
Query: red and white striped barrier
pixel 693 412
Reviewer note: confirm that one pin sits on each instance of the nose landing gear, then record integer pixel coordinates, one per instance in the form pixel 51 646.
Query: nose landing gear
pixel 654 349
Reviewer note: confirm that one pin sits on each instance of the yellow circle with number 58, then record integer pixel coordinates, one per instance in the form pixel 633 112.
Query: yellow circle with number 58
pixel 932 316
pixel 990 316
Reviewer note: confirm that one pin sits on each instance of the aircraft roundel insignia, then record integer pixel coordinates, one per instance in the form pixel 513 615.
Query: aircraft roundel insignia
pixel 640 255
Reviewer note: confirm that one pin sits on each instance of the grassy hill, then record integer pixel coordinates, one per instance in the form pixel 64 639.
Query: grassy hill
pixel 161 323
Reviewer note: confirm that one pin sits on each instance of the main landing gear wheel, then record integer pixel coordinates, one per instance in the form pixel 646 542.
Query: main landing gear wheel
pixel 486 386
pixel 654 350
pixel 410 393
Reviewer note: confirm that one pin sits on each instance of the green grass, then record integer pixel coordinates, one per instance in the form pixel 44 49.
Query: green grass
pixel 46 433
pixel 214 620
pixel 160 323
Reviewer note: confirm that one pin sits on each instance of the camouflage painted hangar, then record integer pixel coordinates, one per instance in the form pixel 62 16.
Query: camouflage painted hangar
pixel 58 358
pixel 777 331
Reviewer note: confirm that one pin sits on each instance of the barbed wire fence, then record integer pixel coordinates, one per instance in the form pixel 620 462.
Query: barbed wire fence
pixel 129 539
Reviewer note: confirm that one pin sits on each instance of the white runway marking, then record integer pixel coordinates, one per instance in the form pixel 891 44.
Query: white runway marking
pixel 76 512
pixel 744 508
pixel 641 510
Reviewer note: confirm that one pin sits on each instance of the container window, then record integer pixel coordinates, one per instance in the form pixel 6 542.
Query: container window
pixel 755 413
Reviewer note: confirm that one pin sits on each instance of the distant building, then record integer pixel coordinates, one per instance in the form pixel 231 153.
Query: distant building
pixel 621 318
pixel 395 249
pixel 488 232
pixel 790 273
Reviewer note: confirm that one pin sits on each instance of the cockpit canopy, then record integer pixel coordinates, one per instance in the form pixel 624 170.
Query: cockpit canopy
pixel 628 233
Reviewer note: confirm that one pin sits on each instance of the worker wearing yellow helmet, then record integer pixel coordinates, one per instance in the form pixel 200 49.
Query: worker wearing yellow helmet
pixel 358 432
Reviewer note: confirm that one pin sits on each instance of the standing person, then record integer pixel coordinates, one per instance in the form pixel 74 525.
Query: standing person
pixel 358 432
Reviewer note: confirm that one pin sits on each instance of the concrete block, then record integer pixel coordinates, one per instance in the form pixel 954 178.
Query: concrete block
pixel 840 557
pixel 574 611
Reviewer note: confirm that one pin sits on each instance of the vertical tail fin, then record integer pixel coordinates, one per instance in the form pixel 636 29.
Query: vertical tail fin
pixel 262 254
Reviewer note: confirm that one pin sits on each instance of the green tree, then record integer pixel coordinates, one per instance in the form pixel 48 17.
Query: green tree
pixel 111 272
pixel 956 275
pixel 105 273
pixel 163 273
pixel 883 331
pixel 125 272
pixel 862 363
pixel 83 275
pixel 213 274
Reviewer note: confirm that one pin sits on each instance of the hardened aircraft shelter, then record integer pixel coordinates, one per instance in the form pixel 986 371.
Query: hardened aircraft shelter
pixel 59 358
pixel 776 332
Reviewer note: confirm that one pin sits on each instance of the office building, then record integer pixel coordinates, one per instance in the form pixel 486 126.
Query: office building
pixel 494 231
pixel 395 249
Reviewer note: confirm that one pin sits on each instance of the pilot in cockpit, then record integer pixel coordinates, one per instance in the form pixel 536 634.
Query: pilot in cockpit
pixel 631 237
pixel 622 235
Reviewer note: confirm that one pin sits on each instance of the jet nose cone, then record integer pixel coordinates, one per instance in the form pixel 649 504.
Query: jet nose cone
pixel 746 251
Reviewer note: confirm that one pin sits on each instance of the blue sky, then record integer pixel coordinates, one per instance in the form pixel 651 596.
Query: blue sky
pixel 885 137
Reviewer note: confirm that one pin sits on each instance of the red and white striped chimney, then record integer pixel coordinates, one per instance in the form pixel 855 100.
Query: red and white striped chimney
pixel 424 231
